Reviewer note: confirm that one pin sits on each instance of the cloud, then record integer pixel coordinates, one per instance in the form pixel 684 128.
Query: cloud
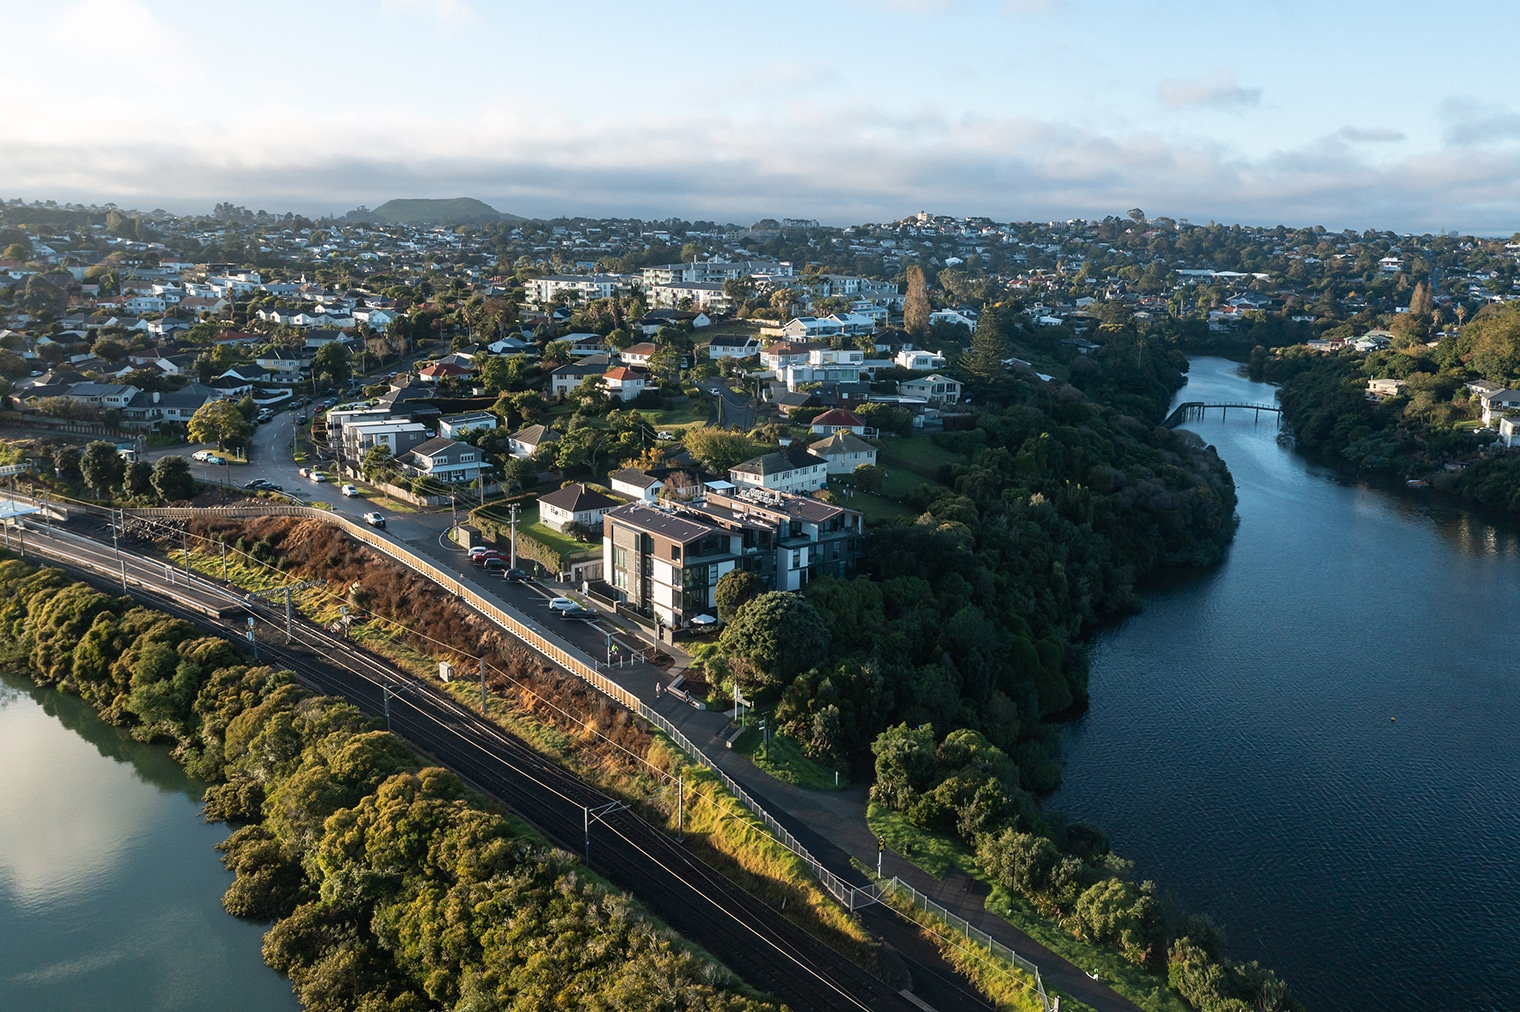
pixel 1034 8
pixel 1469 123
pixel 837 164
pixel 447 14
pixel 112 26
pixel 1219 90
pixel 1373 135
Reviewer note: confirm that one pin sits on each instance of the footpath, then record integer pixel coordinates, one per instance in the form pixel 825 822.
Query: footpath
pixel 830 824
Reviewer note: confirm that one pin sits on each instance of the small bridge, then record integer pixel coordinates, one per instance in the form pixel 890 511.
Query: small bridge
pixel 1197 410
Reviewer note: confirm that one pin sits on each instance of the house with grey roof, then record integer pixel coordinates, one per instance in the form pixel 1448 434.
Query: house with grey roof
pixel 794 468
pixel 575 503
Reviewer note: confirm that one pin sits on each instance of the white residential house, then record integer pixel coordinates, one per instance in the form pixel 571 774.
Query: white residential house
pixel 577 287
pixel 458 426
pixel 794 468
pixel 826 365
pixel 733 346
pixel 575 503
pixel 444 460
pixel 838 420
pixel 636 483
pixel 952 316
pixel 1499 403
pixel 624 383
pixel 934 388
pixel 918 360
pixel 525 442
pixel 844 452
pixel 638 354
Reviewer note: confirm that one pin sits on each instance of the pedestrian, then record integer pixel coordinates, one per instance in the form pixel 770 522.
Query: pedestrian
pixel 658 688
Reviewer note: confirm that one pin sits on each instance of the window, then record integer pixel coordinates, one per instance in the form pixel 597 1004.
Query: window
pixel 675 552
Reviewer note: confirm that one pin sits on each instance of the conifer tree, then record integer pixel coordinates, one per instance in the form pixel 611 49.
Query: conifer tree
pixel 916 305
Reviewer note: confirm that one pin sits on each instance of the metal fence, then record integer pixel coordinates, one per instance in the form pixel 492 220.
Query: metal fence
pixel 972 933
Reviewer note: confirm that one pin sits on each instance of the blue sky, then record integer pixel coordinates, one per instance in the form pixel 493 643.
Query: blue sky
pixel 1342 112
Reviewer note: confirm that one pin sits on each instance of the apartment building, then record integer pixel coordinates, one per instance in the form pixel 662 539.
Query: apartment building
pixel 665 559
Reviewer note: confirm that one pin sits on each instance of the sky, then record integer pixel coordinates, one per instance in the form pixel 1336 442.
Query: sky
pixel 1344 113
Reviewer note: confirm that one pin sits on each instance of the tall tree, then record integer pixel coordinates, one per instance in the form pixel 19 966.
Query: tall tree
pixel 1420 302
pixel 172 479
pixel 916 304
pixel 102 466
pixel 988 345
pixel 221 422
pixel 331 361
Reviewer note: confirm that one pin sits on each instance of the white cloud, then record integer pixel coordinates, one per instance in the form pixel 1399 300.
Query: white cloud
pixel 112 26
pixel 1218 89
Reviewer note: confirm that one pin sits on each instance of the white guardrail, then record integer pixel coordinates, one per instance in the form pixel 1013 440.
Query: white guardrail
pixel 851 896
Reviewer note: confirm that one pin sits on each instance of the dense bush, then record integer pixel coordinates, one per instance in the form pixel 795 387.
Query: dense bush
pixel 388 886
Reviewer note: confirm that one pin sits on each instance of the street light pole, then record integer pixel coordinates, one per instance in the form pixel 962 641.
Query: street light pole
pixel 512 512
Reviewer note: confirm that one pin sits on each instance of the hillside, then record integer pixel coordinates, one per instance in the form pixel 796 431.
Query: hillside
pixel 450 211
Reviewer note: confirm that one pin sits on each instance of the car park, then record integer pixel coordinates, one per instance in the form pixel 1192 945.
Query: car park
pixel 374 519
pixel 349 490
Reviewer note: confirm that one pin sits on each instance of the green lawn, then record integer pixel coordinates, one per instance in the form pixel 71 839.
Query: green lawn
pixel 915 453
pixel 528 523
pixel 783 759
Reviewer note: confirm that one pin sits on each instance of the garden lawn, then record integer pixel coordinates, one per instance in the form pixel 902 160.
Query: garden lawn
pixel 529 524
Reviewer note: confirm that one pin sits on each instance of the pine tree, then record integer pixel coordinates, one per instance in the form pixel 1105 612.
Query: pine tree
pixel 916 305
pixel 989 347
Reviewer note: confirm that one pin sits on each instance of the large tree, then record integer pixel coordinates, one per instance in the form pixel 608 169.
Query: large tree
pixel 172 479
pixel 736 589
pixel 989 348
pixel 718 449
pixel 780 634
pixel 102 466
pixel 331 361
pixel 220 422
pixel 916 303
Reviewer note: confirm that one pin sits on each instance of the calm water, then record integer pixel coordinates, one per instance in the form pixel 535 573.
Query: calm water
pixel 1239 746
pixel 110 889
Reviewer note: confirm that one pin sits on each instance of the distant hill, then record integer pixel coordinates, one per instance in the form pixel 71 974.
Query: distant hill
pixel 452 211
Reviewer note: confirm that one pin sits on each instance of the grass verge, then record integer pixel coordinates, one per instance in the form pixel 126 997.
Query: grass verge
pixel 783 759
pixel 939 855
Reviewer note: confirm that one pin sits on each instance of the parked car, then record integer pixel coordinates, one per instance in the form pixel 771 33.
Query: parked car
pixel 561 604
pixel 484 557
pixel 480 550
pixel 216 459
pixel 374 519
pixel 517 576
pixel 494 565
pixel 349 490
pixel 577 612
pixel 318 476
pixel 204 456
pixel 255 483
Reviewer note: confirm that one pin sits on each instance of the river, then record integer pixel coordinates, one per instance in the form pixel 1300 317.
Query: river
pixel 1318 741
pixel 110 886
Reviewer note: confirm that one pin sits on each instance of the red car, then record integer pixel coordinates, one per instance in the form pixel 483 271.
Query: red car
pixel 480 559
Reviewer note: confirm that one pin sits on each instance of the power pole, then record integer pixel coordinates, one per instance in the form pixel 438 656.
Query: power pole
pixel 512 511
pixel 482 685
pixel 681 807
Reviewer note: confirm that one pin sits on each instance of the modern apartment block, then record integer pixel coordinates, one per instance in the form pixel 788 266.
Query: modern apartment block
pixel 664 559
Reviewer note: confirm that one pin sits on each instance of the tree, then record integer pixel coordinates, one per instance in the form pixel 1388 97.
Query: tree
pixel 868 477
pixel 137 481
pixel 331 361
pixel 102 466
pixel 781 634
pixel 221 422
pixel 735 589
pixel 718 449
pixel 108 349
pixel 172 479
pixel 916 303
pixel 988 346
pixel 1420 302
pixel 376 462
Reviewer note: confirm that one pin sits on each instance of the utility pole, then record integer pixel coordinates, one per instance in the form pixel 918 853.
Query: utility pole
pixel 598 812
pixel 482 685
pixel 512 512
pixel 454 505
pixel 224 562
pixel 681 807
pixel 184 545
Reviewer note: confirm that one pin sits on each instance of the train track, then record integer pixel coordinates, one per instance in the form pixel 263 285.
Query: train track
pixel 752 939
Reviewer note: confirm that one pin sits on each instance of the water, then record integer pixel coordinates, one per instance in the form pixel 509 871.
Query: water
pixel 1240 747
pixel 110 889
